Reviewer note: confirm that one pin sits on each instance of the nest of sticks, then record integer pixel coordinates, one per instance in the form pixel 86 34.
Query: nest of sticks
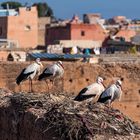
pixel 73 120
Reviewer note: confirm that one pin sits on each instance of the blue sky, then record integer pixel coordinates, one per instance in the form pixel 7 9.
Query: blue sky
pixel 108 8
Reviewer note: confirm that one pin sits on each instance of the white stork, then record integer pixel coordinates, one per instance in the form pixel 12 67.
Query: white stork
pixel 112 93
pixel 92 91
pixel 52 72
pixel 29 73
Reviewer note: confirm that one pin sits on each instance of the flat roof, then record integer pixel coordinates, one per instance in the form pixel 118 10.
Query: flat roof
pixel 58 56
pixel 10 12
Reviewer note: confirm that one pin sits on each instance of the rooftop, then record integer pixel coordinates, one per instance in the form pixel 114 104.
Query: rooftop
pixel 9 12
pixel 127 34
pixel 58 56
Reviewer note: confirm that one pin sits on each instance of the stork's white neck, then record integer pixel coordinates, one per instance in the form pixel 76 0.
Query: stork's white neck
pixel 118 86
pixel 101 83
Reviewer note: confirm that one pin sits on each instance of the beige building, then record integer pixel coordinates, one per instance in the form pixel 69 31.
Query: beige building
pixel 21 28
pixel 42 23
pixel 92 18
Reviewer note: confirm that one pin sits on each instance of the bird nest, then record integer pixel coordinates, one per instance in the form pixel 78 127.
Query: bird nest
pixel 73 120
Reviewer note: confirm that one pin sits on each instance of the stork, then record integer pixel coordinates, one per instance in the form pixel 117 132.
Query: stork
pixel 52 72
pixel 112 93
pixel 29 73
pixel 92 91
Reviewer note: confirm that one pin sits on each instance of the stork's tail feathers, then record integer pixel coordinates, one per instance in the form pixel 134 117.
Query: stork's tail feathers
pixel 22 77
pixel 18 81
pixel 77 98
pixel 80 97
pixel 44 75
pixel 41 76
pixel 103 100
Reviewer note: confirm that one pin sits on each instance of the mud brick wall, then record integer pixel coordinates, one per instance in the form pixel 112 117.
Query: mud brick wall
pixel 78 75
pixel 23 126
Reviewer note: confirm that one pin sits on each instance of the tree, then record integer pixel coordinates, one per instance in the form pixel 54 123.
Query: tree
pixel 43 10
pixel 11 4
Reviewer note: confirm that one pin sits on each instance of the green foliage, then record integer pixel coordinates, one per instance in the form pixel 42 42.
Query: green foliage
pixel 133 50
pixel 43 10
pixel 12 5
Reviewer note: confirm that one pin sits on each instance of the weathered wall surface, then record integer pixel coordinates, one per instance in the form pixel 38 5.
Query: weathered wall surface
pixel 21 125
pixel 79 75
pixel 3 27
pixel 42 21
pixel 24 28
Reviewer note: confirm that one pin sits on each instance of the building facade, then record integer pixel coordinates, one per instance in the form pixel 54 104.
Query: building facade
pixel 126 34
pixel 21 29
pixel 91 18
pixel 42 23
pixel 75 32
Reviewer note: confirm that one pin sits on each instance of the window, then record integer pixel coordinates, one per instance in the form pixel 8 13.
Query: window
pixel 82 33
pixel 0 31
pixel 27 28
pixel 28 8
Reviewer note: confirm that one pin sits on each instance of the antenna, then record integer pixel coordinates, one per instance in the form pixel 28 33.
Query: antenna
pixel 7 6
